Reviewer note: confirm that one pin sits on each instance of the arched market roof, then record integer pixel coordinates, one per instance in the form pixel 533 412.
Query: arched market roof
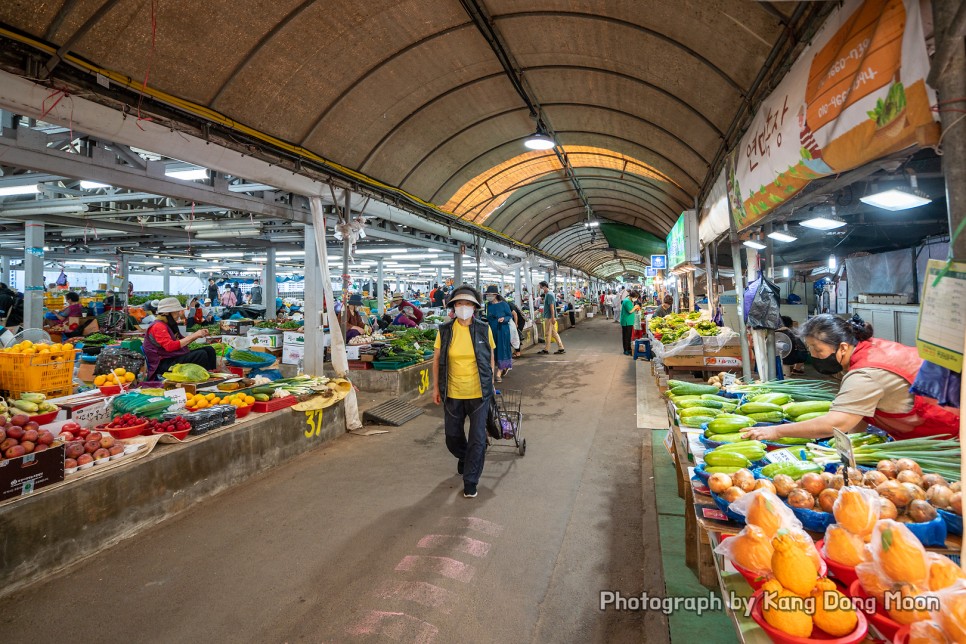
pixel 640 93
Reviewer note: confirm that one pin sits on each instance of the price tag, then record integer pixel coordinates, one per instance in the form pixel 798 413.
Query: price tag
pixel 179 396
pixel 781 456
pixel 728 379
pixel 416 346
pixel 714 513
pixel 92 415
pixel 668 443
pixel 844 447
pixel 352 353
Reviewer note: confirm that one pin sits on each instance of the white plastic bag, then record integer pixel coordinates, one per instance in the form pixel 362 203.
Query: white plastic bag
pixel 514 336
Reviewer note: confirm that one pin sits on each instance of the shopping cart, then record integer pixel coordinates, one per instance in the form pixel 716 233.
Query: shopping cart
pixel 506 404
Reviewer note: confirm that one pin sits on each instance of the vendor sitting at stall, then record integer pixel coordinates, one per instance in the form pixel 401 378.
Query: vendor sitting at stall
pixel 356 323
pixel 406 317
pixel 164 346
pixel 73 309
pixel 398 301
pixel 874 389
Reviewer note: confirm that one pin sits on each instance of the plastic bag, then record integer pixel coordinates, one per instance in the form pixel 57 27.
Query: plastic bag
pixel 751 549
pixel 937 382
pixel 951 615
pixel 514 336
pixel 764 509
pixel 843 547
pixel 688 344
pixel 62 279
pixel 762 305
pixel 943 571
pixel 857 509
pixel 898 554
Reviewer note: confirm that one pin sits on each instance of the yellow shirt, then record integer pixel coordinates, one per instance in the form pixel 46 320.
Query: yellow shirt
pixel 462 374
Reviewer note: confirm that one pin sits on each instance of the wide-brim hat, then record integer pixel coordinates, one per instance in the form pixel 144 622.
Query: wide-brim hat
pixel 398 296
pixel 169 305
pixel 355 299
pixel 492 288
pixel 465 294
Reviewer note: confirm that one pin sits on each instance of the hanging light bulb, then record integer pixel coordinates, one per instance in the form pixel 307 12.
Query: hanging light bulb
pixel 832 263
pixel 539 140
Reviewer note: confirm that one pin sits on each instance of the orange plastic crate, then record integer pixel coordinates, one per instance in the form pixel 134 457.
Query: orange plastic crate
pixel 50 374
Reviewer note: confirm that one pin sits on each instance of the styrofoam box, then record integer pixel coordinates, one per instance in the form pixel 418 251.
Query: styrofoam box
pixel 292 353
pixel 269 341
pixel 293 337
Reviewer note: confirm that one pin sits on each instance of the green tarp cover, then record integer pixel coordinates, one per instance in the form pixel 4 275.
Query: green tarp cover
pixel 634 240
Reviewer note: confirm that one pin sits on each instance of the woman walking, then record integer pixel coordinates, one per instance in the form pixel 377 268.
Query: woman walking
pixel 463 369
pixel 500 316
pixel 629 306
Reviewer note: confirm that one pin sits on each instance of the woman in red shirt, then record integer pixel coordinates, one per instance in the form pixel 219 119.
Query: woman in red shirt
pixel 164 346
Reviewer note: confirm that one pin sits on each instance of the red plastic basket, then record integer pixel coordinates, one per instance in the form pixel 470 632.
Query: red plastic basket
pixel 818 635
pixel 241 412
pixel 274 404
pixel 49 373
pixel 880 618
pixel 123 432
pixel 845 574
pixel 43 419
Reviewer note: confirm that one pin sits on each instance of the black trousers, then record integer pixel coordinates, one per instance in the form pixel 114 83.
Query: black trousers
pixel 471 451
pixel 626 332
pixel 205 356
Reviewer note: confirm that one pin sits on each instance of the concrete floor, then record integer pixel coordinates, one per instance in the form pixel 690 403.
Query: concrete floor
pixel 370 539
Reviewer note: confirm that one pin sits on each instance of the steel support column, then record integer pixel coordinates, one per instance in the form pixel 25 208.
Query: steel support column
pixel 518 287
pixel 457 269
pixel 949 79
pixel 380 288
pixel 314 344
pixel 166 281
pixel 33 266
pixel 269 285
pixel 739 290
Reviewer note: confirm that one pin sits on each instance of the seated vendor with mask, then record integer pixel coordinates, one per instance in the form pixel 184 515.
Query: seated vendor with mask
pixel 165 346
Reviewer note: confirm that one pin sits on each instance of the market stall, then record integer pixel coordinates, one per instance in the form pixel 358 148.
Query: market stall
pixel 742 496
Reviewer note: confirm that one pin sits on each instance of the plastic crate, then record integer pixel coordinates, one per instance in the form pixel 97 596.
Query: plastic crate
pixel 274 404
pixel 392 366
pixel 51 374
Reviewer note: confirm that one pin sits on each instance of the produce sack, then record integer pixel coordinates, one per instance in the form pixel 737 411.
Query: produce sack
pixel 113 357
pixel 762 305
pixel 764 509
pixel 937 382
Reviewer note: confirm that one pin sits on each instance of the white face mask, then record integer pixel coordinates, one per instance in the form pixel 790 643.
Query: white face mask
pixel 464 312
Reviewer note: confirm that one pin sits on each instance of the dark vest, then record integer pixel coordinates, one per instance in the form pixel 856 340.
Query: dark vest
pixel 480 334
pixel 154 354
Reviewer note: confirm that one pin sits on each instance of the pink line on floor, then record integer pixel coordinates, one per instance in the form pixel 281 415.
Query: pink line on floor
pixel 473 523
pixel 419 592
pixel 395 626
pixel 467 545
pixel 445 566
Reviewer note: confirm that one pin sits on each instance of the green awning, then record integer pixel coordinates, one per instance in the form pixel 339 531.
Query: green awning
pixel 634 240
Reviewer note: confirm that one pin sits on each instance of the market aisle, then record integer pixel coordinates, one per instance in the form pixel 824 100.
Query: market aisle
pixel 370 539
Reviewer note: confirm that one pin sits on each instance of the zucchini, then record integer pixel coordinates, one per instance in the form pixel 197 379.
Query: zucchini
pixel 726 424
pixel 696 421
pixel 759 408
pixel 789 440
pixel 794 410
pixel 727 458
pixel 708 404
pixel 698 411
pixel 261 397
pixel 268 391
pixel 733 437
pixel 768 417
pixel 775 399
pixel 689 388
pixel 752 450
pixel 678 400
pixel 720 399
pixel 809 416
pixel 721 469
pixel 743 444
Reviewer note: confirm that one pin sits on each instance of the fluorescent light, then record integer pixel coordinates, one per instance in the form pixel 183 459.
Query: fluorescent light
pixel 782 236
pixel 37 208
pixel 442 262
pixel 224 254
pixel 416 256
pixel 150 263
pixel 753 244
pixel 290 253
pixel 823 223
pixel 785 272
pixel 831 263
pixel 233 232
pixel 895 199
pixel 176 268
pixel 188 175
pixel 539 141
pixel 591 224
pixel 92 185
pixel 381 251
pixel 7 191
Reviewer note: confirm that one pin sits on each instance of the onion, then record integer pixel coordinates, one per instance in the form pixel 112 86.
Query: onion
pixel 838 482
pixel 765 484
pixel 887 509
pixel 799 498
pixel 827 499
pixel 895 492
pixel 855 476
pixel 887 467
pixel 719 482
pixel 908 464
pixel 784 484
pixel 909 476
pixel 939 495
pixel 827 477
pixel 928 480
pixel 744 479
pixel 915 491
pixel 956 503
pixel 955 486
pixel 812 483
pixel 921 511
pixel 732 494
pixel 874 478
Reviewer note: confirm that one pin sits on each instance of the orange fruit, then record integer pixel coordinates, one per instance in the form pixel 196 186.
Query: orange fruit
pixel 99 381
pixel 120 371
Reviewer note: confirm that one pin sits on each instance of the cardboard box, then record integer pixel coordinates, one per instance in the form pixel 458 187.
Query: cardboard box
pixel 292 353
pixel 267 340
pixel 235 327
pixel 293 337
pixel 22 476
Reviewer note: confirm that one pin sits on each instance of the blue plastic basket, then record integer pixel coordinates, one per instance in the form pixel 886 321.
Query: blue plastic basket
pixel 954 522
pixel 268 360
pixel 724 507
pixel 813 520
pixel 931 533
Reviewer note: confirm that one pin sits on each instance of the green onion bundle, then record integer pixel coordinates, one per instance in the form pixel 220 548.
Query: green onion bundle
pixel 799 390
pixel 933 455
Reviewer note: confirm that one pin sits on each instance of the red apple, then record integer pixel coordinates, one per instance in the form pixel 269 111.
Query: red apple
pixel 31 424
pixel 101 453
pixel 116 449
pixel 45 438
pixel 84 459
pixel 70 427
pixel 41 447
pixel 15 452
pixel 69 462
pixel 20 419
pixel 30 435
pixel 7 443
pixel 15 431
pixel 65 436
pixel 94 436
pixel 28 446
pixel 92 446
pixel 4 419
pixel 74 449
pixel 3 434
pixel 107 441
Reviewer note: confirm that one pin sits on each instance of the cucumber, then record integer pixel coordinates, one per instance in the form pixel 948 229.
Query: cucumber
pixel 261 397
pixel 727 458
pixel 729 424
pixel 809 416
pixel 720 399
pixel 768 417
pixel 794 410
pixel 696 421
pixel 697 411
pixel 679 388
pixel 678 400
pixel 709 404
pixel 759 408
pixel 268 391
pixel 775 399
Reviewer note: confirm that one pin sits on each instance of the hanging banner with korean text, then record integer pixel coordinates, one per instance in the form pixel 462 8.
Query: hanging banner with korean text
pixel 856 95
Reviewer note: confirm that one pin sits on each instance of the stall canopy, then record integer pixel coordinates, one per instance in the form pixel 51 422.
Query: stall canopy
pixel 633 239
pixel 433 100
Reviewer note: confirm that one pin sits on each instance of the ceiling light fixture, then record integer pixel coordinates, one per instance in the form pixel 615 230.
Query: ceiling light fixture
pixel 785 272
pixel 31 189
pixel 832 263
pixel 225 254
pixel 782 235
pixel 381 251
pixel 899 198
pixel 823 223
pixel 37 208
pixel 754 243
pixel 92 185
pixel 188 175
pixel 539 140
